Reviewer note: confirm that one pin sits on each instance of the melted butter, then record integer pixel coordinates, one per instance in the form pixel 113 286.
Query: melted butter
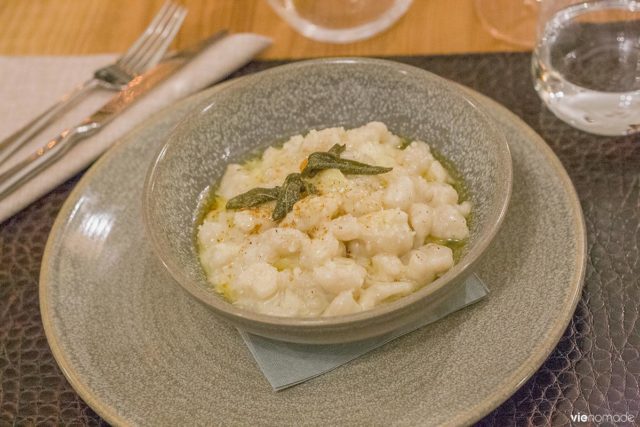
pixel 286 263
pixel 456 246
pixel 457 182
pixel 225 290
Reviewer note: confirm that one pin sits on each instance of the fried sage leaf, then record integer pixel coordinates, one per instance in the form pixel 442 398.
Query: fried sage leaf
pixel 254 197
pixel 292 191
pixel 337 149
pixel 295 187
pixel 320 161
pixel 309 188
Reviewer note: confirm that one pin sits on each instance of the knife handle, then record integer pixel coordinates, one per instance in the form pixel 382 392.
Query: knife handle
pixel 25 170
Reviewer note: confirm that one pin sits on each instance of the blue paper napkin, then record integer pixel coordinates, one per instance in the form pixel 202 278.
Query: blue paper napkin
pixel 287 364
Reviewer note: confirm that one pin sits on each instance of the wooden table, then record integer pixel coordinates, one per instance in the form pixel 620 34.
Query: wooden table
pixel 75 27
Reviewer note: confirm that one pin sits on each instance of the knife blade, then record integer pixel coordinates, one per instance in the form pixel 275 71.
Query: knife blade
pixel 44 156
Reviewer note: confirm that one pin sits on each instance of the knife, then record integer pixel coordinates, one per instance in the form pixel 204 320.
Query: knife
pixel 44 156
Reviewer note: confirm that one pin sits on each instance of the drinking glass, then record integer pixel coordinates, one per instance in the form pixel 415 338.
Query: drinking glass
pixel 512 21
pixel 340 21
pixel 586 63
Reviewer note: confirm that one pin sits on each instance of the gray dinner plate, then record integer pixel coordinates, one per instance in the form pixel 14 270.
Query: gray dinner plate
pixel 140 351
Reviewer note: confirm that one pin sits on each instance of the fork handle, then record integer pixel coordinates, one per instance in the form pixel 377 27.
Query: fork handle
pixel 40 159
pixel 35 126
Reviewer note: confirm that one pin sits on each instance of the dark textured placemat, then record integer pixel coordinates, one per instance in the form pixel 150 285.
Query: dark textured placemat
pixel 595 368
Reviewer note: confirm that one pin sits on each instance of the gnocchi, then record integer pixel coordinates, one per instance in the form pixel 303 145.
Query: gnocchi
pixel 359 241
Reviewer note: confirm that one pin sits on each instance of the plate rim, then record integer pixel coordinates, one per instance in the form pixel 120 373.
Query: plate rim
pixel 104 410
pixel 474 413
pixel 546 347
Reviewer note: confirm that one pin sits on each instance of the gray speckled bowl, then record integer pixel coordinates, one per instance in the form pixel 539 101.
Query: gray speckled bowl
pixel 260 110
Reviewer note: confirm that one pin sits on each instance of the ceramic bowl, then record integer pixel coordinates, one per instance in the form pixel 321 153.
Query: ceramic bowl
pixel 271 106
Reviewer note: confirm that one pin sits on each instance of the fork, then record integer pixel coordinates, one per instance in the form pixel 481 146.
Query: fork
pixel 143 54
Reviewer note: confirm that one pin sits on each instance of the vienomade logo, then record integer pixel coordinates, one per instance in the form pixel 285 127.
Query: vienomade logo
pixel 607 418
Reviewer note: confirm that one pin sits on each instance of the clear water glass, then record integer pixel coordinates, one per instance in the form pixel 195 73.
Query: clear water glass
pixel 512 21
pixel 340 21
pixel 586 63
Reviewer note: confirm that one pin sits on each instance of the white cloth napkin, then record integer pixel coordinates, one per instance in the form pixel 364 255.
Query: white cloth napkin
pixel 30 84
